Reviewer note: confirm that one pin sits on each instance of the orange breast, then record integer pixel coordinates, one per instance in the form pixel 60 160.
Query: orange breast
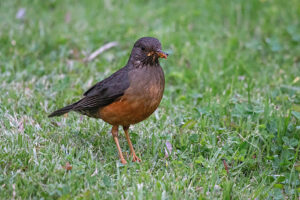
pixel 129 110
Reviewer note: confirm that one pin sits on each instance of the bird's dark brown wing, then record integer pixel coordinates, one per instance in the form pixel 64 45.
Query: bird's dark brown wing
pixel 105 92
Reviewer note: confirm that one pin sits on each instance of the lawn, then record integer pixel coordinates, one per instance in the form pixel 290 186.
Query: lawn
pixel 232 96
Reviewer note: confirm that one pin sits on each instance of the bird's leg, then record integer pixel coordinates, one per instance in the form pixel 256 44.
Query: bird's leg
pixel 114 132
pixel 132 152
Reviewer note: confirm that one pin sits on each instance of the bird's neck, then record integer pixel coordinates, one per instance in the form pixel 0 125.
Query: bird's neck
pixel 137 64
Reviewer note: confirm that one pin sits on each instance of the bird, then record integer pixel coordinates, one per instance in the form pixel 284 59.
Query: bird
pixel 128 96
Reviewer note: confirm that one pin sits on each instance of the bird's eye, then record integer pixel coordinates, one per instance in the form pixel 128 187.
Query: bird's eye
pixel 143 48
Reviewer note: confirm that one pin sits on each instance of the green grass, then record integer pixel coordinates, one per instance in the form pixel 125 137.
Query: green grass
pixel 232 94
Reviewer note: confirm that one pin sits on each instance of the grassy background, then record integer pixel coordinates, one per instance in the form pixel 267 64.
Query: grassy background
pixel 232 94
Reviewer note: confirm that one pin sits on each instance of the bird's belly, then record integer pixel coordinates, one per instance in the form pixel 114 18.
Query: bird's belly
pixel 129 110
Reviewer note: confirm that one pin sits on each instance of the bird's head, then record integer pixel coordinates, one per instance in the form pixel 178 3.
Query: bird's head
pixel 147 50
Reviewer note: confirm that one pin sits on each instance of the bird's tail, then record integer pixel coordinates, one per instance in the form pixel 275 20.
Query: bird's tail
pixel 62 111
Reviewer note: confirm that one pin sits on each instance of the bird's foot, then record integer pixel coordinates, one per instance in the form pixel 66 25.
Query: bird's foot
pixel 135 158
pixel 123 161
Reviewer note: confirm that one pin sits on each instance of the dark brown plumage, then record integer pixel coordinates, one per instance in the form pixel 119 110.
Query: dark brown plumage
pixel 128 96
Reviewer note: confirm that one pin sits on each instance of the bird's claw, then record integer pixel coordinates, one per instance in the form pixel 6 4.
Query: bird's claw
pixel 135 158
pixel 123 161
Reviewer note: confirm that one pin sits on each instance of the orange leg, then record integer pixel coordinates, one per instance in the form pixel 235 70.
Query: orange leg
pixel 114 132
pixel 132 152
